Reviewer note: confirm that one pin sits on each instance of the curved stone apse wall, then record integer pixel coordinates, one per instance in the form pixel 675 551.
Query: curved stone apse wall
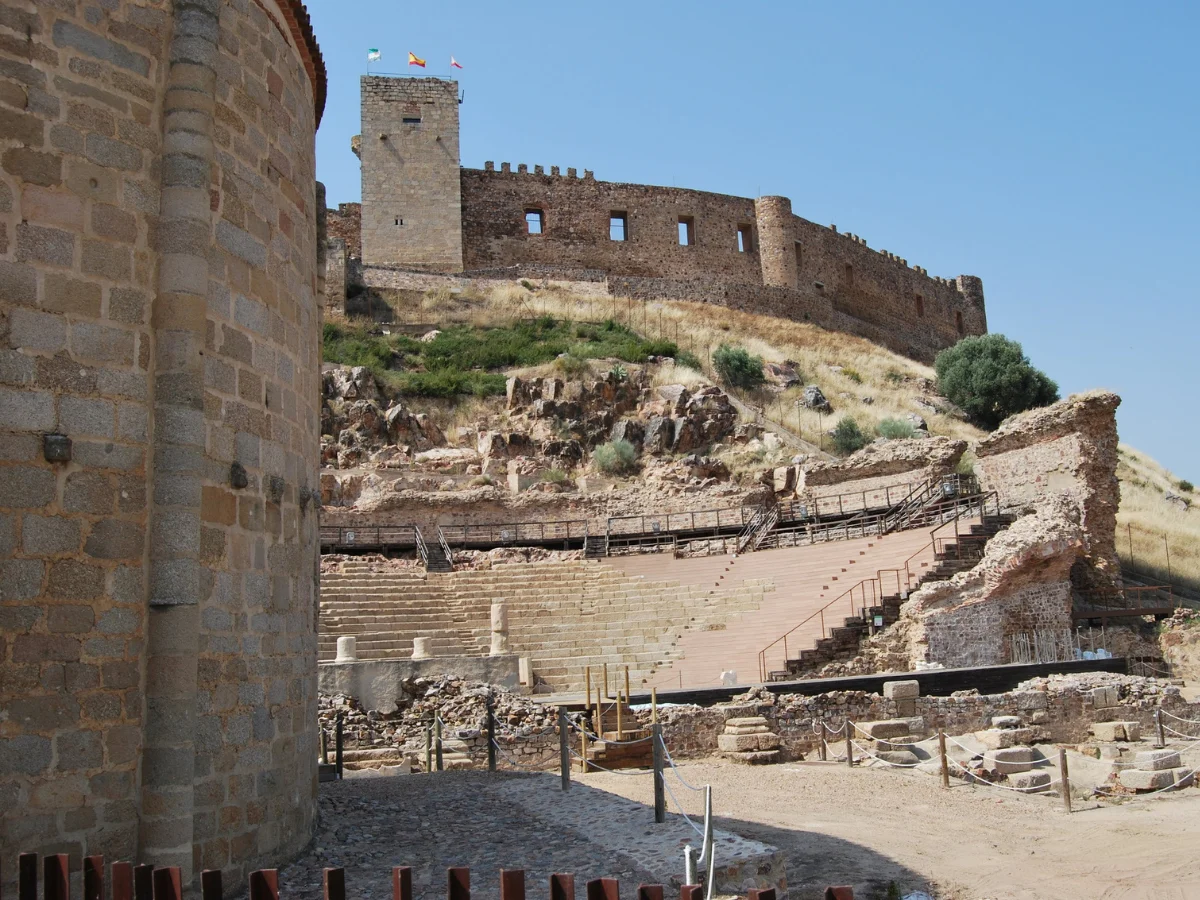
pixel 159 390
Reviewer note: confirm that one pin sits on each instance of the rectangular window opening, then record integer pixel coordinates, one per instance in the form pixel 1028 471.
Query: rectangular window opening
pixel 618 226
pixel 848 280
pixel 745 239
pixel 799 257
pixel 535 221
pixel 920 306
pixel 411 120
pixel 958 322
pixel 687 231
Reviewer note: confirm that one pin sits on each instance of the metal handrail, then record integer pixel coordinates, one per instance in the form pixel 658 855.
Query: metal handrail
pixel 445 548
pixel 961 506
pixel 422 550
pixel 1126 597
pixel 516 532
pixel 367 536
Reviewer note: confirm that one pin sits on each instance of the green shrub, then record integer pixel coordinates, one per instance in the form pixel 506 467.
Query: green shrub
pixel 554 476
pixel 737 368
pixel 896 429
pixel 688 359
pixel 527 284
pixel 482 481
pixel 848 437
pixel 1186 486
pixel 615 458
pixel 894 376
pixel 570 365
pixel 853 375
pixel 619 373
pixel 966 464
pixel 447 383
pixel 990 378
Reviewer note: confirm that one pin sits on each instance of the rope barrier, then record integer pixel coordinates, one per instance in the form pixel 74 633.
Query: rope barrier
pixel 870 736
pixel 671 762
pixel 867 752
pixel 972 778
pixel 596 737
pixel 595 765
pixel 682 811
pixel 1179 718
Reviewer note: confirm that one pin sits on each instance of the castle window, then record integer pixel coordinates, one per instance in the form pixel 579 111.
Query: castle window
pixel 920 301
pixel 411 120
pixel 535 221
pixel 799 257
pixel 848 276
pixel 618 226
pixel 745 239
pixel 958 322
pixel 687 231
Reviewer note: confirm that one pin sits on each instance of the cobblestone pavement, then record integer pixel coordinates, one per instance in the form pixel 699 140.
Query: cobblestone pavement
pixel 432 822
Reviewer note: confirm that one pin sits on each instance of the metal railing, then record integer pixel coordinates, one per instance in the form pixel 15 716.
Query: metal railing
pixel 371 536
pixel 517 533
pixel 626 545
pixel 696 521
pixel 1153 599
pixel 422 550
pixel 445 548
pixel 841 504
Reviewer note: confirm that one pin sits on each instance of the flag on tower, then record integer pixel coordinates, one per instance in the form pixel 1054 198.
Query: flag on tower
pixel 373 55
pixel 414 60
pixel 454 63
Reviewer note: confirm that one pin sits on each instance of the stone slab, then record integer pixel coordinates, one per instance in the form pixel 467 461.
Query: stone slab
pixel 1010 761
pixel 1143 780
pixel 1116 731
pixel 747 729
pixel 899 757
pixel 890 728
pixel 741 743
pixel 1030 782
pixel 1006 721
pixel 902 690
pixel 1157 760
pixel 745 721
pixel 756 757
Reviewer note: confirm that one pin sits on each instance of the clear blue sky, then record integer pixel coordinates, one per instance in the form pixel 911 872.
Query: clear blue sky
pixel 1051 149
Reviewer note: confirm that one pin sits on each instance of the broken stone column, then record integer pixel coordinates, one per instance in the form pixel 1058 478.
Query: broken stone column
pixel 421 648
pixel 347 649
pixel 749 740
pixel 499 629
pixel 905 694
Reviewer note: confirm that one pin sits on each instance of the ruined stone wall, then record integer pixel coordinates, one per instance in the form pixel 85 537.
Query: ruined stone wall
pixel 335 276
pixel 158 274
pixel 346 223
pixel 411 209
pixel 1069 451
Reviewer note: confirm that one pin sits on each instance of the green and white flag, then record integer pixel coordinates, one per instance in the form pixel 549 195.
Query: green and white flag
pixel 373 55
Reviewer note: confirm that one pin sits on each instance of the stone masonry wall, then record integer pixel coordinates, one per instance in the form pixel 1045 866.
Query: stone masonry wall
pixel 411 209
pixel 158 274
pixel 80 138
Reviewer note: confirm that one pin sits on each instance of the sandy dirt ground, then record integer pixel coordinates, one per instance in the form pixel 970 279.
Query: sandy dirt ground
pixel 869 827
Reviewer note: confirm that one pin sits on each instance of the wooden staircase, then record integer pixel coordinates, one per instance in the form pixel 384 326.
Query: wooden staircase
pixel 618 749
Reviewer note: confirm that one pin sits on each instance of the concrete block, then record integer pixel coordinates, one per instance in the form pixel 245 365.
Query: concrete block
pixel 902 690
pixel 1157 760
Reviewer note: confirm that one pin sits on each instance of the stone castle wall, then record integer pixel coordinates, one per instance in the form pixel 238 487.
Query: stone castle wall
pixel 158 282
pixel 422 212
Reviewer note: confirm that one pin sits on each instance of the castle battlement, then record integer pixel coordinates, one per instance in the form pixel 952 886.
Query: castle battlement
pixel 422 211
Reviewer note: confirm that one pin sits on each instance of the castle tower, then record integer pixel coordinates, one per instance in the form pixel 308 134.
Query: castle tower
pixel 776 241
pixel 411 188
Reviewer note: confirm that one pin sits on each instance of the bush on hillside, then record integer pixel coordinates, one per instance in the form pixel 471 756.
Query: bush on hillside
pixel 615 458
pixel 848 437
pixel 1186 486
pixel 991 378
pixel 896 429
pixel 737 367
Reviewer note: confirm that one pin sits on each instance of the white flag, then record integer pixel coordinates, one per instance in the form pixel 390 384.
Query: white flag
pixel 373 55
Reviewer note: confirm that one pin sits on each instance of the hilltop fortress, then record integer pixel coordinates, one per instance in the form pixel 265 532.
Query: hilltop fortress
pixel 422 213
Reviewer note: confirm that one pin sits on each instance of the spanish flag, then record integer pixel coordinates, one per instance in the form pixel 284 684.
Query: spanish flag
pixel 414 60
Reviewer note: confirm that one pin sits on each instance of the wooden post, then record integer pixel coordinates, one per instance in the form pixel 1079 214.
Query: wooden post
pixel 564 749
pixel 324 747
pixel 93 878
pixel 562 886
pixel 210 885
pixel 849 744
pixel 627 684
pixel 143 882
pixel 491 732
pixel 606 681
pixel 335 884
pixel 338 738
pixel 512 884
pixel 587 677
pixel 824 737
pixel 458 883
pixel 122 882
pixel 599 719
pixel 603 889
pixel 650 892
pixel 1158 725
pixel 654 705
pixel 1066 778
pixel 27 876
pixel 945 762
pixel 583 750
pixel 660 786
pixel 168 885
pixel 264 884
pixel 437 741
pixel 402 883
pixel 620 729
pixel 428 749
pixel 56 877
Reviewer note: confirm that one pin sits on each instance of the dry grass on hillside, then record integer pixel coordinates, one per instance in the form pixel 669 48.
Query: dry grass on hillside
pixel 1155 526
pixel 867 371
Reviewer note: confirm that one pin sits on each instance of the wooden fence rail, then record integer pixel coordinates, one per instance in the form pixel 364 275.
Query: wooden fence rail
pixel 143 882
